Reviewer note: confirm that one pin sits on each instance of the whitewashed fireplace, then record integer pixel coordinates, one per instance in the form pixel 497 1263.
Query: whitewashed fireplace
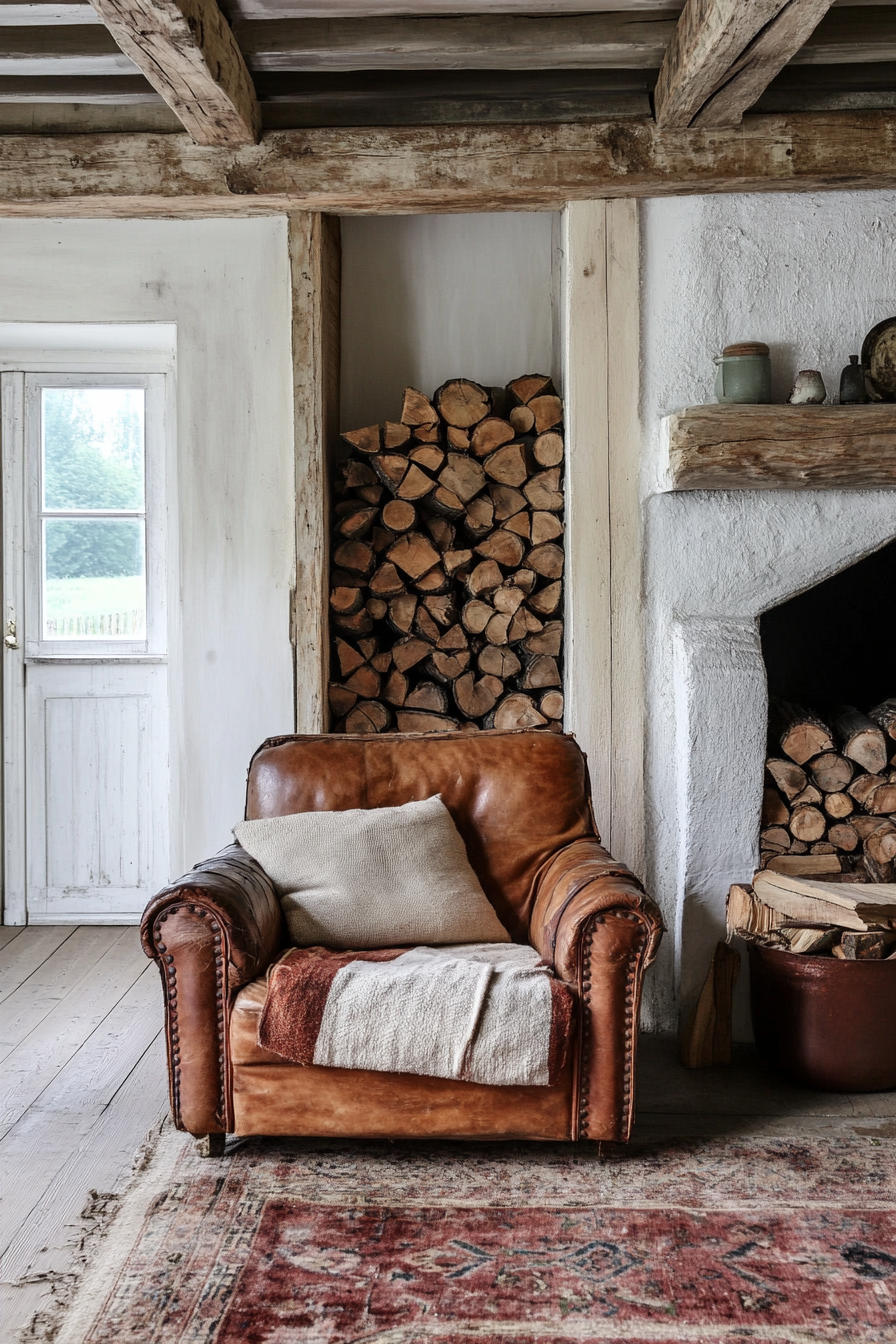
pixel 809 275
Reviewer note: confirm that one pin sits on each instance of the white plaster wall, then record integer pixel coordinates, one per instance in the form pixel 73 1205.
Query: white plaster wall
pixel 808 274
pixel 426 298
pixel 225 283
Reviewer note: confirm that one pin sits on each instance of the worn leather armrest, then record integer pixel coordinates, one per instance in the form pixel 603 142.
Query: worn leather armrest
pixel 210 932
pixel 594 924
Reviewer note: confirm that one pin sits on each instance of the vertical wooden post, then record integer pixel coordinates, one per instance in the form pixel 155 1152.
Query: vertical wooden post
pixel 626 534
pixel 604 650
pixel 588 633
pixel 314 258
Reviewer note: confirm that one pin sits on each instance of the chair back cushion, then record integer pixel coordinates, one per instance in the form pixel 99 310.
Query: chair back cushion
pixel 516 797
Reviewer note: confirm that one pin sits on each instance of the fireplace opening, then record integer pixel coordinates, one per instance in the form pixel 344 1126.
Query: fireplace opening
pixel 829 800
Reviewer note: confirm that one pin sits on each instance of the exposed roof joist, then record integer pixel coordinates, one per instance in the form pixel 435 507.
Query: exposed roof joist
pixel 725 53
pixel 187 51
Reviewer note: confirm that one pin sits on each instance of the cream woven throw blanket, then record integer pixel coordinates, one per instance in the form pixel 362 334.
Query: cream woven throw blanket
pixel 482 1012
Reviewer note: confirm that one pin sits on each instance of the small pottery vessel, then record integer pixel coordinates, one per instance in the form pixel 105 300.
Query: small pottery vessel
pixel 852 383
pixel 808 389
pixel 744 374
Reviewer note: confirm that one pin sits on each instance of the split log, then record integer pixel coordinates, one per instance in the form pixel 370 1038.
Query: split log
pixel 417 409
pixel 419 721
pixel 491 433
pixel 441 609
pixel 520 524
pixel 387 582
pixel 475 698
pixel 341 700
pixel 464 475
pixel 344 601
pixel 831 772
pixel 507 466
pixel 365 440
pixel 548 449
pixel 549 640
pixel 396 688
pixel 456 560
pixel 775 811
pixel 860 738
pixel 485 578
pixel 453 639
pixel 546 560
pixel 529 386
pixel 508 598
pixel 357 474
pixel 476 616
pixel 446 501
pixel 359 522
pixel 707 1038
pixel 496 632
pixel 504 547
pixel 442 532
pixel 368 716
pixel 426 627
pixel 507 501
pixel 863 786
pixel 355 555
pixel 448 666
pixel 799 733
pixel 427 695
pixel 402 611
pixel 882 800
pixel 414 484
pixel 457 438
pixel 410 651
pixel 497 661
pixel 414 554
pixel 432 583
pixel 543 491
pixel 543 672
pixel 546 601
pixel 809 795
pixel 788 776
pixel 480 517
pixel 427 456
pixel 462 403
pixel 391 469
pixel 516 711
pixel 377 609
pixel 359 623
pixel 548 412
pixel 365 682
pixel 349 657
pixel 545 527
pixel 394 435
pixel 843 836
pixel 881 843
pixel 427 434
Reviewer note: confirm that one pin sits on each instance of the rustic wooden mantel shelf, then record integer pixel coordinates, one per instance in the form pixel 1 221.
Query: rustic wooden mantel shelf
pixel 781 448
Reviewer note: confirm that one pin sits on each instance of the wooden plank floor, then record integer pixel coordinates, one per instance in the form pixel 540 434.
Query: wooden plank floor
pixel 83 1083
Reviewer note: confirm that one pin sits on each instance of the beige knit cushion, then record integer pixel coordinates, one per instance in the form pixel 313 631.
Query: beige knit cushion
pixel 377 877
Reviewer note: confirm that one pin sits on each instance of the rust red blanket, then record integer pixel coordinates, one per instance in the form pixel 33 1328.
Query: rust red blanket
pixel 485 1012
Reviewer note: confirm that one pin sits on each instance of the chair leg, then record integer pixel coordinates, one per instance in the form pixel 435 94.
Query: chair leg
pixel 210 1145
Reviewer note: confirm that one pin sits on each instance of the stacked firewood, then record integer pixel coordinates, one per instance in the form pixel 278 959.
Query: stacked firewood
pixel 446 592
pixel 831 788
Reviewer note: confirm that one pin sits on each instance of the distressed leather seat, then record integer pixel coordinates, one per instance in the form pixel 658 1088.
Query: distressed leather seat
pixel 521 801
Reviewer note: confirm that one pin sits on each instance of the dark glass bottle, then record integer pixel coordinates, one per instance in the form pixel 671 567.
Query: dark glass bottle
pixel 852 383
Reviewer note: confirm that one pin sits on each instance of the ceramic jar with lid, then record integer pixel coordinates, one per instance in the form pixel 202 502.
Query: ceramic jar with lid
pixel 744 374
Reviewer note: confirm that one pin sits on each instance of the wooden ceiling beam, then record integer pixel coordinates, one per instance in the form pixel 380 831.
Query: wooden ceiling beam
pixel 459 42
pixel 440 168
pixel 187 51
pixel 725 53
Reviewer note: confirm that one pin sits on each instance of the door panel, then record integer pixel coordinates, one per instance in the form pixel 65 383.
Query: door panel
pixel 97 791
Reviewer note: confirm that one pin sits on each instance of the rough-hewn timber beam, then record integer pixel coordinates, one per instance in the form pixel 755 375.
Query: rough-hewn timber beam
pixel 187 51
pixel 440 168
pixel 725 53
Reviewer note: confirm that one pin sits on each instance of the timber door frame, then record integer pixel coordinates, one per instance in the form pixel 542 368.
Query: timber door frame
pixel 97 350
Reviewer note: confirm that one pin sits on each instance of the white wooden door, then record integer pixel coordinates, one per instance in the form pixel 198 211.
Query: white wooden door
pixel 85 645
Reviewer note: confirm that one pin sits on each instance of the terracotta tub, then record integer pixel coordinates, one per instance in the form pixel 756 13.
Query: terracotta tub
pixel 825 1023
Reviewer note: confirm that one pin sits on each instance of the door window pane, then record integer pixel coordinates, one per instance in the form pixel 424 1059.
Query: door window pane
pixel 92 448
pixel 94 578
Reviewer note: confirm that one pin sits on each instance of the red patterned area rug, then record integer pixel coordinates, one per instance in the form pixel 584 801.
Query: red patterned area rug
pixel 312 1241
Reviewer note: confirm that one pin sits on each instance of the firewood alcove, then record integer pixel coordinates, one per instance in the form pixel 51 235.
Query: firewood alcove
pixel 447 557
pixel 830 793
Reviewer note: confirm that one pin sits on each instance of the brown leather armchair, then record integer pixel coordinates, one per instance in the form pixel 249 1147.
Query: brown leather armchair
pixel 522 802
